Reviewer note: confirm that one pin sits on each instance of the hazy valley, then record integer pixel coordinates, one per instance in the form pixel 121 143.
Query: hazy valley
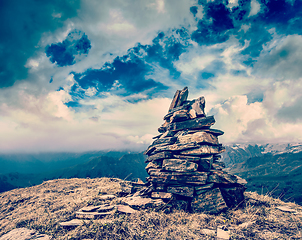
pixel 274 169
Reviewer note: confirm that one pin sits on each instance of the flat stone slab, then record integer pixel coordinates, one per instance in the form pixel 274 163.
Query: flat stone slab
pixel 159 156
pixel 141 203
pixel 223 233
pixel 203 150
pixel 180 115
pixel 246 224
pixel 105 208
pixel 107 197
pixel 209 202
pixel 24 234
pixel 208 232
pixel 72 223
pixel 233 196
pixel 176 147
pixel 218 176
pixel 198 106
pixel 198 137
pixel 152 165
pixel 167 140
pixel 183 191
pixel 179 165
pixel 203 188
pixel 180 178
pixel 195 123
pixel 161 195
pixel 286 209
pixel 187 158
pixel 125 209
pixel 93 215
pixel 90 208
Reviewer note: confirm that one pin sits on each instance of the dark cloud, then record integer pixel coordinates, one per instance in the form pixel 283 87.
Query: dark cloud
pixel 238 72
pixel 214 26
pixel 22 26
pixel 132 73
pixel 282 61
pixel 164 50
pixel 255 96
pixel 278 16
pixel 215 68
pixel 219 23
pixel 63 53
pixel 291 112
pixel 128 72
pixel 284 15
pixel 194 10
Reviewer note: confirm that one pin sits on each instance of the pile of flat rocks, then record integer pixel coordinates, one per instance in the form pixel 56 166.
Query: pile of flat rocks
pixel 184 164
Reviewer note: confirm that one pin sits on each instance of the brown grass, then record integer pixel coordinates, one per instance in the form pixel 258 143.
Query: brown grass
pixel 44 206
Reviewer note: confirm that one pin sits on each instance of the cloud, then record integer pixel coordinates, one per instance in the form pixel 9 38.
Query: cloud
pixel 252 122
pixel 24 25
pixel 255 8
pixel 49 125
pixel 291 112
pixel 112 79
pixel 282 58
pixel 213 27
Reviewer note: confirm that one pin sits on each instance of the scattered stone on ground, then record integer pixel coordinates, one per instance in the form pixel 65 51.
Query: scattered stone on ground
pixel 286 209
pixel 209 232
pixel 89 208
pixel 107 197
pixel 246 224
pixel 223 233
pixel 72 223
pixel 92 215
pixel 125 209
pixel 24 234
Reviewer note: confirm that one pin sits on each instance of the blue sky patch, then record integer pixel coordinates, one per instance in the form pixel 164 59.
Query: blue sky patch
pixel 64 53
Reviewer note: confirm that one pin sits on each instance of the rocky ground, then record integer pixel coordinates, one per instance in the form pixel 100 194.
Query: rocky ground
pixel 46 207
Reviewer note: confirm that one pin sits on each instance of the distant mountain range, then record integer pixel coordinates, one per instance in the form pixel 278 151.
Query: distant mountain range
pixel 124 165
pixel 274 169
pixel 237 153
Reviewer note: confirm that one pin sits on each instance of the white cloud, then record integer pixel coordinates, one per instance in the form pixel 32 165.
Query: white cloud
pixel 281 58
pixel 197 63
pixel 243 122
pixel 46 124
pixel 255 8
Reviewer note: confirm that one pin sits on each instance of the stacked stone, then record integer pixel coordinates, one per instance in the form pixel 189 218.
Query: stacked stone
pixel 184 160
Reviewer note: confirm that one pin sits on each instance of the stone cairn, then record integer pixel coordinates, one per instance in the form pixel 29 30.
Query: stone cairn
pixel 184 164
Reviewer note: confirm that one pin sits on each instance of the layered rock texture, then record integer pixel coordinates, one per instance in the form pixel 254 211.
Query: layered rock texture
pixel 184 164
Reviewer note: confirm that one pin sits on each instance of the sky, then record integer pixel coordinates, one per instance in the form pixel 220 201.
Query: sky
pixel 81 75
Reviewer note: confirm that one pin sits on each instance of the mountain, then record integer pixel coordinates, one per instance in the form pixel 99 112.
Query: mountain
pixel 128 166
pixel 274 169
pixel 110 164
pixel 237 153
pixel 45 162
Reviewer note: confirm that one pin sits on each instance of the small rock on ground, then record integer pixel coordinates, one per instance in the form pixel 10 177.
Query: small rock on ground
pixel 223 233
pixel 24 234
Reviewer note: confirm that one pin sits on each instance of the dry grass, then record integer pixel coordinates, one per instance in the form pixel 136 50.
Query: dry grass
pixel 44 206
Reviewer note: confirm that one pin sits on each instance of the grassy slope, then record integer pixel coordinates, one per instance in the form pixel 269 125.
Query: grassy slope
pixel 42 207
pixel 281 175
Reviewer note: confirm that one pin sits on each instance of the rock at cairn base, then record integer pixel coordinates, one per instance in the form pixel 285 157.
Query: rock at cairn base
pixel 184 162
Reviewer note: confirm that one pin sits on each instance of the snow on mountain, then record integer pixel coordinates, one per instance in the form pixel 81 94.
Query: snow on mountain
pixel 236 153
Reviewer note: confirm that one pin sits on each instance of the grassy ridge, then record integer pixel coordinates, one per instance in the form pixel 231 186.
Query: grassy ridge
pixel 44 206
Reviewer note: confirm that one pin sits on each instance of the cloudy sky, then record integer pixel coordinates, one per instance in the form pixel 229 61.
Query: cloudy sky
pixel 79 75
